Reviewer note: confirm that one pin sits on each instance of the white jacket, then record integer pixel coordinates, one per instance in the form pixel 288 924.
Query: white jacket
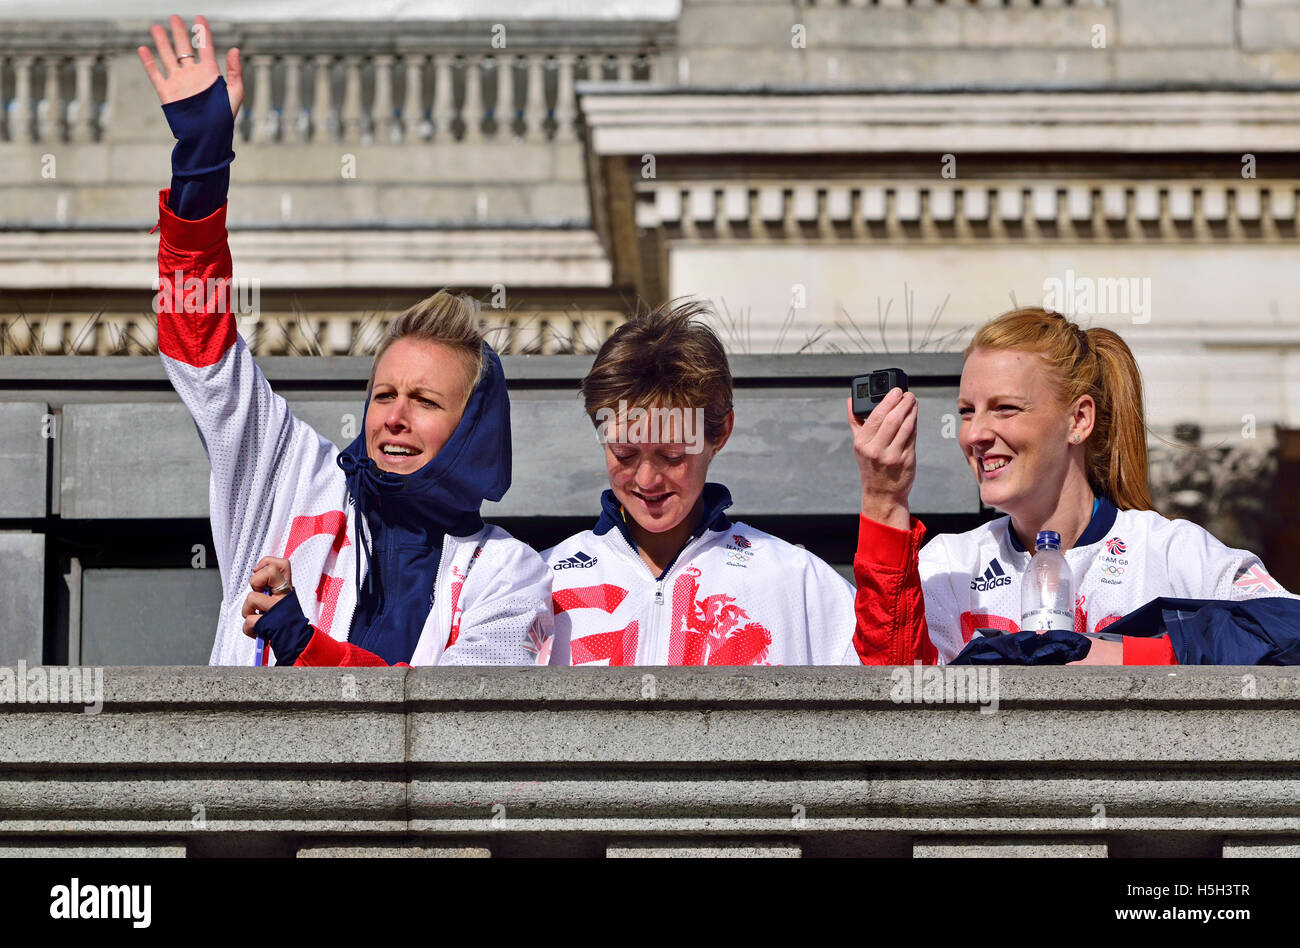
pixel 276 490
pixel 1124 559
pixel 733 596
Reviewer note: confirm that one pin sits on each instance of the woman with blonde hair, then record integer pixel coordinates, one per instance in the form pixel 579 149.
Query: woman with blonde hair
pixel 1053 429
pixel 426 581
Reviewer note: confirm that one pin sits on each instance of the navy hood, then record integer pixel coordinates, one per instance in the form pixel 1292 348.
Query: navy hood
pixel 445 495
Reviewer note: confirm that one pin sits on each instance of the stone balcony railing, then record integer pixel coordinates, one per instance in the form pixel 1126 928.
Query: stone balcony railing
pixel 332 82
pixel 655 761
pixel 374 125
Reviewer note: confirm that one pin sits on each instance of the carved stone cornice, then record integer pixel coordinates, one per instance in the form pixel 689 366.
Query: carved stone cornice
pixel 349 36
pixel 1139 163
pixel 806 119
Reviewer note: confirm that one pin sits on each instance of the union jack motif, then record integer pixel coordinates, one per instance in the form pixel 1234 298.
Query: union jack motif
pixel 740 541
pixel 1256 578
pixel 333 523
pixel 1116 546
pixel 539 644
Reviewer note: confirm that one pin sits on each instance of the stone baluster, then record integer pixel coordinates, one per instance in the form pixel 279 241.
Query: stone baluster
pixel 565 108
pixel 623 67
pixel 291 123
pixel 320 100
pixel 472 110
pixel 52 120
pixel 385 122
pixel 535 99
pixel 412 105
pixel 350 116
pixel 263 122
pixel 21 130
pixel 83 129
pixel 444 103
pixel 338 336
pixel 52 333
pixel 505 107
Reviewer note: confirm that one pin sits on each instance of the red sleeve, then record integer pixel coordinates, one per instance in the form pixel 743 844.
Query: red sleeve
pixel 1147 651
pixel 195 325
pixel 890 606
pixel 325 652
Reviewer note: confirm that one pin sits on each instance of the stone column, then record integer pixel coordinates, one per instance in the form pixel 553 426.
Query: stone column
pixel 565 108
pixel 472 110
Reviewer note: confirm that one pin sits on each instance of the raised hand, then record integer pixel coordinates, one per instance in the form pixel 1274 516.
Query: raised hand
pixel 884 444
pixel 190 69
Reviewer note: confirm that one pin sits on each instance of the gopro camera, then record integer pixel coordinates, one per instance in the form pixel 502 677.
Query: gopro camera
pixel 869 389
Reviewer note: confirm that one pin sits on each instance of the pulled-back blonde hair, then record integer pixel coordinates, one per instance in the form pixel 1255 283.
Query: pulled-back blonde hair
pixel 667 358
pixel 1094 362
pixel 449 319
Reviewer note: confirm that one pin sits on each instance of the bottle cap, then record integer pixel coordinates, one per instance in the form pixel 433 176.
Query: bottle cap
pixel 1048 540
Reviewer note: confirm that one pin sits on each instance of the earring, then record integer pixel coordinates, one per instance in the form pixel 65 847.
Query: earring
pixel 1074 440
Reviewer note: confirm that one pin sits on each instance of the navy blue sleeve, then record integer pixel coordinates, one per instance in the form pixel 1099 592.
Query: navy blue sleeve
pixel 1263 631
pixel 285 629
pixel 205 135
pixel 1057 647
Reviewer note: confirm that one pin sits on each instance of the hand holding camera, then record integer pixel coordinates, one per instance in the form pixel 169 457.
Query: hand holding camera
pixel 882 415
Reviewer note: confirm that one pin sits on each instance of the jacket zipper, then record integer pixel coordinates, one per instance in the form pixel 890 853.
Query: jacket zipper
pixel 654 639
pixel 358 525
pixel 683 559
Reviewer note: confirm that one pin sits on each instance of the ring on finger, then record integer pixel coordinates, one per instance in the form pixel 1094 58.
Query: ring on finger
pixel 184 56
pixel 284 587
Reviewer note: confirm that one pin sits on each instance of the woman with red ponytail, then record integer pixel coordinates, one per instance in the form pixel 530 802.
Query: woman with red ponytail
pixel 1053 429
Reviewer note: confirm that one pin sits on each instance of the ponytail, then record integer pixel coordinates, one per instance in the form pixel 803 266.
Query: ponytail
pixel 1097 363
pixel 1117 449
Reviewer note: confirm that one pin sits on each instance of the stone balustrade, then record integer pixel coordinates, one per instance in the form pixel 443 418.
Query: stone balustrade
pixel 653 761
pixel 39 105
pixel 369 84
pixel 364 98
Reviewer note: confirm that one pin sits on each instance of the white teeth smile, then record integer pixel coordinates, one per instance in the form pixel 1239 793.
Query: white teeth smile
pixel 395 450
pixel 995 463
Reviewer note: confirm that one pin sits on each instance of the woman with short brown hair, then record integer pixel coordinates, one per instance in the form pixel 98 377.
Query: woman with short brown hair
pixel 664 577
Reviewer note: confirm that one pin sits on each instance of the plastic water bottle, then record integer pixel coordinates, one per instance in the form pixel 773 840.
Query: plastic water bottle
pixel 1047 588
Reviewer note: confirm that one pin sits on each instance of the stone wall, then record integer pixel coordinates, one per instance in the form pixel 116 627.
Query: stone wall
pixel 654 761
pixel 989 42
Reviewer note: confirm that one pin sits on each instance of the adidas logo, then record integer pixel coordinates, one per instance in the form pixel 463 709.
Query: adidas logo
pixel 578 560
pixel 993 577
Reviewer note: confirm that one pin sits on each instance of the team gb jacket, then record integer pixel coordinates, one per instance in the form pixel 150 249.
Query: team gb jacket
pixel 927 607
pixel 733 596
pixel 277 490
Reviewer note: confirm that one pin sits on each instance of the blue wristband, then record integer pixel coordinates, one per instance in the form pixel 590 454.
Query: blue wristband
pixel 285 629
